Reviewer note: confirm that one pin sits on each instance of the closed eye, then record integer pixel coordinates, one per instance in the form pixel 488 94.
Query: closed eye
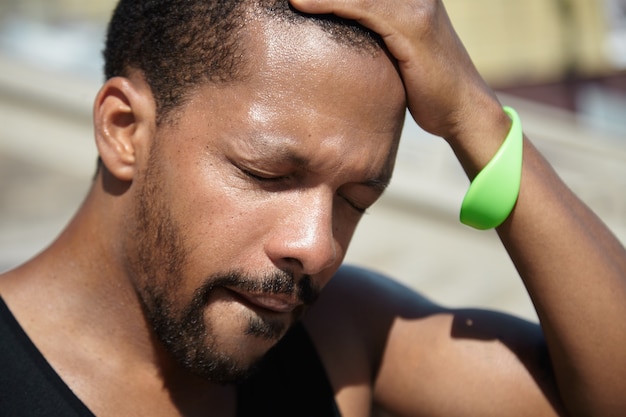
pixel 361 196
pixel 353 205
pixel 358 209
pixel 263 178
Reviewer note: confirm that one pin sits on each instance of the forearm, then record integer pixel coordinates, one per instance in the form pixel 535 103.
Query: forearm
pixel 574 269
pixel 575 272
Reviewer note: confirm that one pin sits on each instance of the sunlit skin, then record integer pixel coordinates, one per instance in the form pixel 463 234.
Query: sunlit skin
pixel 272 174
pixel 265 176
pixel 204 238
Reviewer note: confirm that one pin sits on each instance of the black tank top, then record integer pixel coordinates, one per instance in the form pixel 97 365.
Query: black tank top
pixel 290 382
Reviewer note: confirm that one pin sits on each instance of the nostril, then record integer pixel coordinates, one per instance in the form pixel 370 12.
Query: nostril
pixel 291 264
pixel 305 254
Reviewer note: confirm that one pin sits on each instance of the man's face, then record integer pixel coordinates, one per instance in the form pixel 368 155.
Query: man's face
pixel 248 201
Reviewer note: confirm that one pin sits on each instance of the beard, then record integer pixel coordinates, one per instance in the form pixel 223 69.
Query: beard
pixel 181 328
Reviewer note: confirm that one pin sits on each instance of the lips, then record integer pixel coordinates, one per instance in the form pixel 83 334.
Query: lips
pixel 276 303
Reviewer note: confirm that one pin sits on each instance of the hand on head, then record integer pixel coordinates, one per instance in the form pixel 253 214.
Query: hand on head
pixel 443 87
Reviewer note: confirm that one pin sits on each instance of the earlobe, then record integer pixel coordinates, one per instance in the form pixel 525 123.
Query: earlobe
pixel 124 118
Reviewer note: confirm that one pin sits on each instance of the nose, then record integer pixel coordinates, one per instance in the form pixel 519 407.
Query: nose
pixel 303 236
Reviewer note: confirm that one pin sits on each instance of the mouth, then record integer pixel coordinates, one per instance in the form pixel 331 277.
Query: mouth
pixel 272 303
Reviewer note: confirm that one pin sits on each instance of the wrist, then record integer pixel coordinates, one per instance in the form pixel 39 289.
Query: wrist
pixel 478 134
pixel 494 191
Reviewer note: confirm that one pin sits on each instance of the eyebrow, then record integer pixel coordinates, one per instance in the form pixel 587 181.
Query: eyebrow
pixel 289 156
pixel 271 149
pixel 378 183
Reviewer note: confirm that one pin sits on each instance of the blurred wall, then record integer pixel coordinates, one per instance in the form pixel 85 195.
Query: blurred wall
pixel 510 41
pixel 52 10
pixel 534 40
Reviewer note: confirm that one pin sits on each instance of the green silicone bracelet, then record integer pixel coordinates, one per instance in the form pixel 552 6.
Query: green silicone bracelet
pixel 493 193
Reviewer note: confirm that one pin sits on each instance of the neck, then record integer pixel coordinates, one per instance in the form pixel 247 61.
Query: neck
pixel 78 290
pixel 79 279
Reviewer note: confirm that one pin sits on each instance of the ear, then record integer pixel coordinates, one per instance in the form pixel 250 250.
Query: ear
pixel 124 121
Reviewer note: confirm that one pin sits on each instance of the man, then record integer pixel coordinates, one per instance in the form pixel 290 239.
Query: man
pixel 239 145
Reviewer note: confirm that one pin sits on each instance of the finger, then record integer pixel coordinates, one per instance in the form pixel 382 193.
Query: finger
pixel 369 13
pixel 323 6
pixel 394 21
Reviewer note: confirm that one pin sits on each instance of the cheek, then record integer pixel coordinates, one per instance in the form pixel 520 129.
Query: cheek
pixel 223 225
pixel 227 225
pixel 343 233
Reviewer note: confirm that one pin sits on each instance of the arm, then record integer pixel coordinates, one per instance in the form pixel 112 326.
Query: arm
pixel 573 267
pixel 382 343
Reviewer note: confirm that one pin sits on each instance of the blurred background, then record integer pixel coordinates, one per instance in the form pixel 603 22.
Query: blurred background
pixel 560 63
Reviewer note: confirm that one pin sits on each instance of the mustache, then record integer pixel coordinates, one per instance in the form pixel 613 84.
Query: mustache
pixel 277 282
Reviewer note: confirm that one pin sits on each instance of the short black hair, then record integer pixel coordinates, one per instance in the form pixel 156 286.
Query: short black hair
pixel 178 44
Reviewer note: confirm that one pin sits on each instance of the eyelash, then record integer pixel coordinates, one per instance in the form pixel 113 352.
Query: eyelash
pixel 354 206
pixel 262 179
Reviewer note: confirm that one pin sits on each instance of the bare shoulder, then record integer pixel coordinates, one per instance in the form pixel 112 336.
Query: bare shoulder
pixel 363 304
pixel 384 343
pixel 350 325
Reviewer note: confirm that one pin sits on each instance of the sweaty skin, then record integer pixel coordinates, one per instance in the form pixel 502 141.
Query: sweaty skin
pixel 217 228
pixel 571 264
pixel 226 221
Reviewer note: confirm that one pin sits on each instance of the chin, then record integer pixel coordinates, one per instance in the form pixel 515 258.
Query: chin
pixel 228 365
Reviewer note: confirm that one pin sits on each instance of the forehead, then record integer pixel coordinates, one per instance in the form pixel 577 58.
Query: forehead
pixel 303 63
pixel 309 93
